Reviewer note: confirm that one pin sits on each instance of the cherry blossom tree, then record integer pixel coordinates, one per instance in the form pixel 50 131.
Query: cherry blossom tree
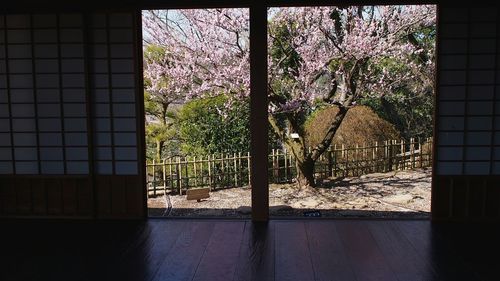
pixel 190 54
pixel 208 52
pixel 337 56
pixel 318 56
pixel 158 98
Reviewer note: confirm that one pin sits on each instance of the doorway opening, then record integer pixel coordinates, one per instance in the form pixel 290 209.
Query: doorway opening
pixel 351 101
pixel 351 94
pixel 196 76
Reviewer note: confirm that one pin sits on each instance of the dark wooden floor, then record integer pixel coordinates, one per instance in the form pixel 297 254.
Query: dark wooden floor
pixel 240 250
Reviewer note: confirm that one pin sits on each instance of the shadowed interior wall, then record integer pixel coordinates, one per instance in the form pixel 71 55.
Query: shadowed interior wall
pixel 466 183
pixel 68 116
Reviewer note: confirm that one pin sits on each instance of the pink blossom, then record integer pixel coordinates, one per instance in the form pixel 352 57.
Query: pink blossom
pixel 207 53
pixel 331 56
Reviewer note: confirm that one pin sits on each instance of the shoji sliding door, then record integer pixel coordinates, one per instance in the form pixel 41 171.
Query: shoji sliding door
pixel 69 96
pixel 467 177
pixel 114 107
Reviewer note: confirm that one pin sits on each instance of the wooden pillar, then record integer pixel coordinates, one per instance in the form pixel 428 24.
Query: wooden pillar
pixel 258 112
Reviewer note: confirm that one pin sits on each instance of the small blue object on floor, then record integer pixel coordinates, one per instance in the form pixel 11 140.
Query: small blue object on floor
pixel 312 214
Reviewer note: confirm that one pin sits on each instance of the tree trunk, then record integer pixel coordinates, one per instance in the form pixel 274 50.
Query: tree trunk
pixel 159 149
pixel 319 149
pixel 306 160
pixel 305 173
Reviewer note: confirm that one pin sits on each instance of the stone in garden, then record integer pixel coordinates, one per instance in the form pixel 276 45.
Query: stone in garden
pixel 245 210
pixel 399 198
pixel 280 208
pixel 309 203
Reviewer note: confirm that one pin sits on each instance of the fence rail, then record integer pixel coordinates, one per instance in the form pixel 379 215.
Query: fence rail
pixel 223 171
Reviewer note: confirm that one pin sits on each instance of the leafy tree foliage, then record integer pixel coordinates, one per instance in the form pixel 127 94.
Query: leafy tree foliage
pixel 206 126
pixel 410 105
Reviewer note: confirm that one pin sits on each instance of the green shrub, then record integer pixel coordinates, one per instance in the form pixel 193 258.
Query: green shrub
pixel 360 126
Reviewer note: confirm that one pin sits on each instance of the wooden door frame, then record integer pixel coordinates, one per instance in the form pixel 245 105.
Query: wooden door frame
pixel 258 84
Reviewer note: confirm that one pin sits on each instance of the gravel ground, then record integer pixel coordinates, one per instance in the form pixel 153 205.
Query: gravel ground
pixel 401 194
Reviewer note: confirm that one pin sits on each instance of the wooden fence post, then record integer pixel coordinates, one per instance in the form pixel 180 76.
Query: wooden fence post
pixel 225 171
pixel 412 152
pixel 248 168
pixel 154 178
pixel 179 175
pixel 328 171
pixel 385 161
pixel 356 161
pixel 401 150
pixel 430 142
pixel 334 161
pixel 386 156
pixel 209 172
pixel 186 175
pixel 296 167
pixel 272 166
pixel 202 171
pixel 286 164
pixel 240 170
pixel 147 178
pixel 170 174
pixel 420 154
pixel 222 170
pixel 235 174
pixel 195 172
pixel 346 161
pixel 164 177
pixel 342 153
pixel 365 161
pixel 214 171
pixel 389 155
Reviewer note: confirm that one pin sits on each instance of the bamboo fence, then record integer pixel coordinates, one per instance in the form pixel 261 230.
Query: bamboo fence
pixel 233 170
